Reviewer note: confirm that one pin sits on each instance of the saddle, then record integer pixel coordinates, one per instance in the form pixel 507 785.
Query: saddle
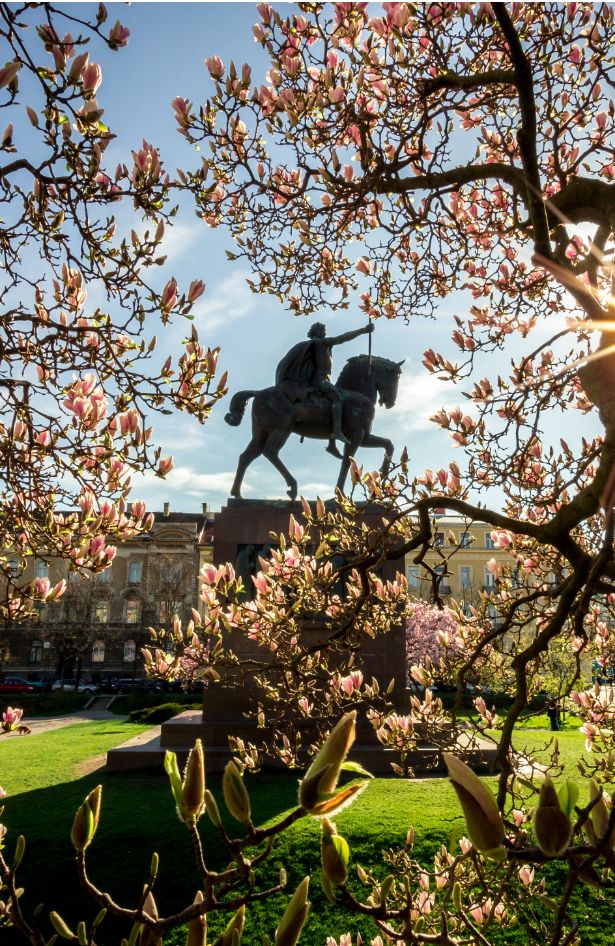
pixel 300 394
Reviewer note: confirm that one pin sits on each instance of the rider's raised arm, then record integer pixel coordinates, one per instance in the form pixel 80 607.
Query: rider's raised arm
pixel 348 336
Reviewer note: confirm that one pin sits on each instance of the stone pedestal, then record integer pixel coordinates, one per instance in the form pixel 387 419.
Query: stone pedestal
pixel 243 532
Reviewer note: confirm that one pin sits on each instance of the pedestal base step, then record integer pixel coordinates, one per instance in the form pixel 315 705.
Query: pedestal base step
pixel 180 733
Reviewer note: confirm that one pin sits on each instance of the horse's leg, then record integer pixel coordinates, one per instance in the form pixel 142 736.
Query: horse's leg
pixel 271 450
pixel 350 450
pixel 371 440
pixel 252 451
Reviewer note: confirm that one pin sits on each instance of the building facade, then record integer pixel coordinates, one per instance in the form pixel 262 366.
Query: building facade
pixel 100 624
pixel 461 553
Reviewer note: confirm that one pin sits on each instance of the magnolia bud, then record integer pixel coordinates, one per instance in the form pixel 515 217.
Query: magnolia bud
pixel 236 794
pixel 232 933
pixel 322 776
pixel 295 915
pixel 86 820
pixel 61 928
pixel 211 807
pixel 551 825
pixel 335 854
pixel 197 927
pixel 483 819
pixel 193 786
pixel 598 824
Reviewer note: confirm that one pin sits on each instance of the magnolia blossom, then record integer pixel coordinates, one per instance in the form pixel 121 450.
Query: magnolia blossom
pixel 11 719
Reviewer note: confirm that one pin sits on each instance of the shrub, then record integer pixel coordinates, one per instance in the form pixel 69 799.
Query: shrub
pixel 160 714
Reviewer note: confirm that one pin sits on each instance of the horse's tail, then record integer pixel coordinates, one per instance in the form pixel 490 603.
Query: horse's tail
pixel 238 407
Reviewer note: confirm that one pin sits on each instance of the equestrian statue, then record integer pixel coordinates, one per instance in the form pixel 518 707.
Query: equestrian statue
pixel 305 402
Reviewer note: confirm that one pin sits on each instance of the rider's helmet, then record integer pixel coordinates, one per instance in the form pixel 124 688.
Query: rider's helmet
pixel 318 330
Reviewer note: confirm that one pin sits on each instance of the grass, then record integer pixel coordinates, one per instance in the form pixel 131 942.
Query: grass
pixel 46 780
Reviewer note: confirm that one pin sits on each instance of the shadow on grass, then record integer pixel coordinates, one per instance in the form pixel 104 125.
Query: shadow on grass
pixel 138 817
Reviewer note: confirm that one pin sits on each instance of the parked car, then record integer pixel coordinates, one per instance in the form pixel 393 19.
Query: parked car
pixel 130 685
pixel 67 684
pixel 16 685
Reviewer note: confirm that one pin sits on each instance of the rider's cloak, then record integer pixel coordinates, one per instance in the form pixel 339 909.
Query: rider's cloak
pixel 298 365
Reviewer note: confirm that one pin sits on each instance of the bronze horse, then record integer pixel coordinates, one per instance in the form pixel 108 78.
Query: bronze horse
pixel 275 416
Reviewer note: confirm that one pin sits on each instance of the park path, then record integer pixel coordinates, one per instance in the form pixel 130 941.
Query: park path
pixel 47 723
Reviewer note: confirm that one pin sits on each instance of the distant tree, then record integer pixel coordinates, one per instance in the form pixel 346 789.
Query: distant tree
pixel 78 621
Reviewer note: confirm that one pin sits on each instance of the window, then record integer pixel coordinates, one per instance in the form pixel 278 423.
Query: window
pixel 171 573
pixel 36 652
pixel 489 579
pixel 515 578
pixel 41 569
pixel 465 576
pixel 489 544
pixel 130 651
pixel 105 576
pixel 134 573
pixel 465 540
pixel 132 612
pixel 98 652
pixel 496 619
pixel 443 587
pixel 414 578
pixel 439 540
pixel 101 612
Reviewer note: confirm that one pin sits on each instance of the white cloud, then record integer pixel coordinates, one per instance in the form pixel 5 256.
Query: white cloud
pixel 178 239
pixel 229 301
pixel 188 481
pixel 420 396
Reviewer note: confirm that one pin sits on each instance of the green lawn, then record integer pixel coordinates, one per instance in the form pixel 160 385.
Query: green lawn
pixel 45 779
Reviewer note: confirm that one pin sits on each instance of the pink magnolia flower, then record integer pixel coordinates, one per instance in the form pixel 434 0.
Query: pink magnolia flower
pixel 91 77
pixel 168 299
pixel 8 73
pixel 197 288
pixel 526 874
pixel 42 586
pixel 215 66
pixel 118 35
pixel 11 718
pixel 465 844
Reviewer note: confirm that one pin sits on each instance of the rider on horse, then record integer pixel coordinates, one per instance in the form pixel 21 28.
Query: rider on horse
pixel 309 365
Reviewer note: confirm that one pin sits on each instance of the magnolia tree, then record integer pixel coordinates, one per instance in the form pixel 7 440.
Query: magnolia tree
pixel 401 155
pixel 80 305
pixel 455 146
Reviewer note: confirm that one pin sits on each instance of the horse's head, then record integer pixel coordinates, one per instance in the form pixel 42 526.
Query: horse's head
pixel 387 381
pixel 377 378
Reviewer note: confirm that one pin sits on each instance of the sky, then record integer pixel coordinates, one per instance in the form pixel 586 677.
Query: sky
pixel 165 58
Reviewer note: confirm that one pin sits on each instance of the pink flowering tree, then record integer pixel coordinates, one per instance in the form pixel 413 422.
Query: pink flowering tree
pixel 399 155
pixel 387 158
pixel 432 635
pixel 81 378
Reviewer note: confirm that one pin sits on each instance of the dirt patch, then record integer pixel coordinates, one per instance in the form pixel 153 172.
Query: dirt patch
pixel 91 765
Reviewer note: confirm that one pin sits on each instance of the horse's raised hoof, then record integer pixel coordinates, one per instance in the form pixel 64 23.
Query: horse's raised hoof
pixel 292 493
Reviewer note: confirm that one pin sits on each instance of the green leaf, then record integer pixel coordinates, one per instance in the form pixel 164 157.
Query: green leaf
pixel 341 846
pixel 568 795
pixel 356 767
pixel 172 770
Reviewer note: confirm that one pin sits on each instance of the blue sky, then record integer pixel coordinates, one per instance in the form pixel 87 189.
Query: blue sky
pixel 165 58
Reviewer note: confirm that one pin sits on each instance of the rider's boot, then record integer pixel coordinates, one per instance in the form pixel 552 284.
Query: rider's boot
pixel 332 449
pixel 336 412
